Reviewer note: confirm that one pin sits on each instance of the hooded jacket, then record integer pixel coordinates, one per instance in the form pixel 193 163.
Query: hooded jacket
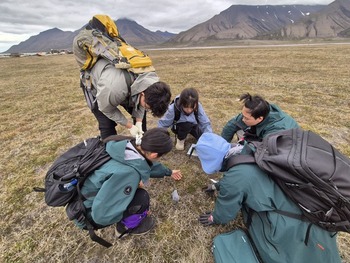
pixel 246 188
pixel 275 121
pixel 168 119
pixel 111 90
pixel 110 189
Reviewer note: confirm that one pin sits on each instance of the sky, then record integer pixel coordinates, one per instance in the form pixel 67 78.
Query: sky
pixel 20 19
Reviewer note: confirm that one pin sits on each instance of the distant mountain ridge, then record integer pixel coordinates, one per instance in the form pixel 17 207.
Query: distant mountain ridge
pixel 55 38
pixel 245 22
pixel 279 22
pixel 332 21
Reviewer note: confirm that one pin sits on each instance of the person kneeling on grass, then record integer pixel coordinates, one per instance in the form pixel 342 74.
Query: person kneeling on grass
pixel 114 192
pixel 246 188
pixel 186 116
pixel 257 119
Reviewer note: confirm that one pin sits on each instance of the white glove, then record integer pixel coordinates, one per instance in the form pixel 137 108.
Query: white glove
pixel 134 131
pixel 139 126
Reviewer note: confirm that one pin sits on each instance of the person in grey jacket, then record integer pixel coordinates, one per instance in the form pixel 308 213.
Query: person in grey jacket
pixel 186 116
pixel 111 86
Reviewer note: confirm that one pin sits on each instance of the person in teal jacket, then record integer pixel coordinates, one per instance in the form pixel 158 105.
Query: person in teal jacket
pixel 115 192
pixel 257 119
pixel 246 188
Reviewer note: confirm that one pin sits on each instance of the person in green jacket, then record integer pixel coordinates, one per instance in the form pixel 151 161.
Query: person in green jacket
pixel 257 119
pixel 246 188
pixel 116 192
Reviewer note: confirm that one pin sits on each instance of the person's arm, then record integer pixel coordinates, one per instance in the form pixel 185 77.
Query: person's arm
pixel 229 200
pixel 159 170
pixel 167 120
pixel 231 127
pixel 204 122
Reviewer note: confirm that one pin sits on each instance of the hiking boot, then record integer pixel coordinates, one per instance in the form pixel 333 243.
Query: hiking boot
pixel 145 226
pixel 180 145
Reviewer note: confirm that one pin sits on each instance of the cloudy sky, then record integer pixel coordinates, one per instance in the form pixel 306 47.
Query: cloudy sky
pixel 20 19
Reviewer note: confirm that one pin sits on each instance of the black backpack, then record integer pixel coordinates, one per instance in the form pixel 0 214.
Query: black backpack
pixel 310 171
pixel 67 174
pixel 177 114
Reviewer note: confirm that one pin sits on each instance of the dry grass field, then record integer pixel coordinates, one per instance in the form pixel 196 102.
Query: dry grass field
pixel 43 113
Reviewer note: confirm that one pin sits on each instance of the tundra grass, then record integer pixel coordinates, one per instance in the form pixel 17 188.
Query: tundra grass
pixel 43 113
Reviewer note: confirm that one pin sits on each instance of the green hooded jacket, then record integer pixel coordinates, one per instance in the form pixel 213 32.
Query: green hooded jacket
pixel 278 238
pixel 276 120
pixel 111 188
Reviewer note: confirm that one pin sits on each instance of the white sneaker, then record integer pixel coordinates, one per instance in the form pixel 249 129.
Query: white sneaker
pixel 180 145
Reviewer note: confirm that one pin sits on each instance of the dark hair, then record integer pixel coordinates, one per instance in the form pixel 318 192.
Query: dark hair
pixel 257 105
pixel 157 96
pixel 188 98
pixel 157 140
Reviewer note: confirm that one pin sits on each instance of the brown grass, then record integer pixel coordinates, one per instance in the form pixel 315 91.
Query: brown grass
pixel 43 113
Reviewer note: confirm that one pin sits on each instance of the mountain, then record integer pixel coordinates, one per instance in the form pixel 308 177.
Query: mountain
pixel 137 35
pixel 57 39
pixel 50 39
pixel 245 22
pixel 235 23
pixel 332 21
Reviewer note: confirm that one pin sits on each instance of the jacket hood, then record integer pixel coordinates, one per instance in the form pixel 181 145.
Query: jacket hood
pixel 130 157
pixel 211 150
pixel 143 81
pixel 276 114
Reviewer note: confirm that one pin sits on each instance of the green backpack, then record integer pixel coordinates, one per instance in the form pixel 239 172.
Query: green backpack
pixel 234 247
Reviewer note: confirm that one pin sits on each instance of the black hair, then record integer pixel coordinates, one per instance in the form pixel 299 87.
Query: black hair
pixel 188 98
pixel 157 140
pixel 258 106
pixel 157 97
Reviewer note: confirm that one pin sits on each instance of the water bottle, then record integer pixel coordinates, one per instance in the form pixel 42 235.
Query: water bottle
pixel 69 186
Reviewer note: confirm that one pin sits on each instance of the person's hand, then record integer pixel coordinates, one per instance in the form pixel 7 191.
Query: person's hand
pixel 139 126
pixel 209 189
pixel 176 175
pixel 134 131
pixel 206 219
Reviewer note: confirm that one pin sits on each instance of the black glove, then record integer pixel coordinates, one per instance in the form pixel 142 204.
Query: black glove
pixel 209 190
pixel 206 219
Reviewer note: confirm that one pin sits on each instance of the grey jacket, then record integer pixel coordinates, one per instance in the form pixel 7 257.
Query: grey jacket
pixel 111 90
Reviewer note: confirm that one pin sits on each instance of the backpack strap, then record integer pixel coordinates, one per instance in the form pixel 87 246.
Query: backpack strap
pixel 89 226
pixel 177 114
pixel 238 159
pixel 86 86
pixel 95 237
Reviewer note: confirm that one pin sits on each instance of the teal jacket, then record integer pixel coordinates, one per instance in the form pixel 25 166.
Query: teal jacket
pixel 111 188
pixel 278 238
pixel 276 120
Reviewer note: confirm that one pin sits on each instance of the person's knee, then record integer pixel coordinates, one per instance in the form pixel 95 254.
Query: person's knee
pixel 140 202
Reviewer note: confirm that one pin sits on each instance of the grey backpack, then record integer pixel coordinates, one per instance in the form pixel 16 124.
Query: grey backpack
pixel 310 171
